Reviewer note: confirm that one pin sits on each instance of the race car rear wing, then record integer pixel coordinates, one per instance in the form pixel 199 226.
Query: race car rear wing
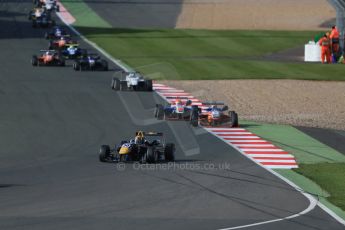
pixel 150 133
pixel 72 44
pixel 213 103
pixel 47 51
pixel 179 98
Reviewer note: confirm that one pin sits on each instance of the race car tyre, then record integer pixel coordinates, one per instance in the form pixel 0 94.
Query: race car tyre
pixel 143 159
pixel 151 155
pixel 115 84
pixel 159 112
pixel 62 61
pixel 123 85
pixel 105 65
pixel 34 61
pixel 57 8
pixel 76 66
pixel 194 116
pixel 169 152
pixel 104 152
pixel 233 118
pixel 148 85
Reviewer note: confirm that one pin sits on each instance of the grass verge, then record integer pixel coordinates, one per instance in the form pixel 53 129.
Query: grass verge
pixel 209 54
pixel 330 177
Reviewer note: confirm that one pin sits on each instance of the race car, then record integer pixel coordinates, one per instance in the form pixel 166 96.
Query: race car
pixel 62 43
pixel 178 111
pixel 215 116
pixel 35 13
pixel 55 33
pixel 146 147
pixel 131 81
pixel 48 58
pixel 45 20
pixel 72 51
pixel 47 4
pixel 51 5
pixel 90 62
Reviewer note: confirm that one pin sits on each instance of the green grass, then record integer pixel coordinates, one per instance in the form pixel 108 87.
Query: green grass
pixel 206 54
pixel 330 177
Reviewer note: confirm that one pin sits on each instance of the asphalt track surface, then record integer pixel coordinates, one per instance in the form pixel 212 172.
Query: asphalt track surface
pixel 53 121
pixel 333 138
pixel 138 13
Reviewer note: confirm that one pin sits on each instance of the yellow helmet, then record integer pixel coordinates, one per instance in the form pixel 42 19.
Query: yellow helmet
pixel 139 137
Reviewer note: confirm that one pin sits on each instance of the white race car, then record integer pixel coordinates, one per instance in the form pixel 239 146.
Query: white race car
pixel 131 81
pixel 51 5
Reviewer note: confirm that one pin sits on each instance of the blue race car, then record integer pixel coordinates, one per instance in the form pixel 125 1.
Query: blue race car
pixel 72 52
pixel 55 33
pixel 91 62
pixel 178 111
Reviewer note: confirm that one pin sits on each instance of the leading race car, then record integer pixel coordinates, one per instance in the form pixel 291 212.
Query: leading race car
pixel 91 62
pixel 131 81
pixel 48 58
pixel 146 147
pixel 48 4
pixel 51 5
pixel 55 33
pixel 178 111
pixel 215 116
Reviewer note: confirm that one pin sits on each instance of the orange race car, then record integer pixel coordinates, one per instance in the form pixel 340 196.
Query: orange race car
pixel 62 43
pixel 215 116
pixel 48 58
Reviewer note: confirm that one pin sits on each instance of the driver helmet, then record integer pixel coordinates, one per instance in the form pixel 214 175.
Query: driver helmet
pixel 139 138
pixel 178 102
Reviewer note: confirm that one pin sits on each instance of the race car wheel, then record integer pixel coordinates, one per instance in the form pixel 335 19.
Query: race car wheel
pixel 104 152
pixel 34 61
pixel 233 118
pixel 151 155
pixel 62 61
pixel 123 85
pixel 105 65
pixel 143 159
pixel 159 112
pixel 115 84
pixel 76 66
pixel 148 85
pixel 194 116
pixel 169 152
pixel 57 8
